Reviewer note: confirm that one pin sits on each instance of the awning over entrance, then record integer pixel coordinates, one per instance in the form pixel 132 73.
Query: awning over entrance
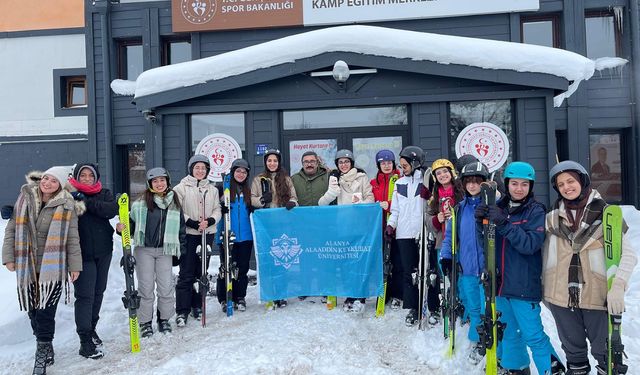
pixel 376 47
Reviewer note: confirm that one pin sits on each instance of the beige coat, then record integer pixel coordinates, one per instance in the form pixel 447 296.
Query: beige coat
pixel 190 192
pixel 351 183
pixel 43 221
pixel 256 192
pixel 557 258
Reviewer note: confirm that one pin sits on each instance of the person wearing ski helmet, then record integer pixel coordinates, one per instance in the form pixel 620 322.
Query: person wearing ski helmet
pixel 238 211
pixel 42 246
pixel 382 188
pixel 575 276
pixel 493 176
pixel 446 190
pixel 519 221
pixel 470 251
pixel 96 241
pixel 193 191
pixel 348 185
pixel 405 223
pixel 159 232
pixel 273 188
pixel 311 181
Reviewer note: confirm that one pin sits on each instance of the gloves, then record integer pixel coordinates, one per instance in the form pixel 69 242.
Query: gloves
pixel 267 197
pixel 224 209
pixel 482 211
pixel 210 221
pixel 192 224
pixel 334 187
pixel 424 193
pixel 77 195
pixel 290 205
pixel 389 232
pixel 447 266
pixel 615 297
pixel 497 215
pixel 6 212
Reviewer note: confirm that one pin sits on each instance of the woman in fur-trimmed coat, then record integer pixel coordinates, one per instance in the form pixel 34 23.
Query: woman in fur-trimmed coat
pixel 41 244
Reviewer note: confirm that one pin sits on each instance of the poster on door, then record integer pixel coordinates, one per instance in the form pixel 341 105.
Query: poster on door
pixel 365 149
pixel 606 165
pixel 325 148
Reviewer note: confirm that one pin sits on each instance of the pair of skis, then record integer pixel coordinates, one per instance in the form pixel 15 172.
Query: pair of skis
pixel 386 258
pixel 203 250
pixel 450 311
pixel 227 266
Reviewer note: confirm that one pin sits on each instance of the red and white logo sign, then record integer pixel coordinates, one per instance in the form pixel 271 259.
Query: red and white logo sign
pixel 198 11
pixel 485 141
pixel 221 150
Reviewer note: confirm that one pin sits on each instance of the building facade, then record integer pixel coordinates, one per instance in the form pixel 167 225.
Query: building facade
pixel 395 102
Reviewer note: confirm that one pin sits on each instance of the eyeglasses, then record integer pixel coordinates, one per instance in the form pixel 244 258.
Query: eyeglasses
pixel 343 162
pixel 240 171
pixel 310 162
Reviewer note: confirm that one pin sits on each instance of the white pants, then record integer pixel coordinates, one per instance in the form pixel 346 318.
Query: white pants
pixel 153 269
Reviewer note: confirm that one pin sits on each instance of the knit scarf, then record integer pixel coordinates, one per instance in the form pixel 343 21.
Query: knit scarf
pixel 38 290
pixel 86 189
pixel 171 240
pixel 587 221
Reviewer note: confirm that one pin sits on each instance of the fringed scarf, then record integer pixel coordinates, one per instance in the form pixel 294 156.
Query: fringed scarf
pixel 578 231
pixel 38 290
pixel 171 244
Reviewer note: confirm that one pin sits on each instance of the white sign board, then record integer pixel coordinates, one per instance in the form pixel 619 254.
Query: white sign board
pixel 322 12
pixel 486 141
pixel 221 150
pixel 325 148
pixel 365 149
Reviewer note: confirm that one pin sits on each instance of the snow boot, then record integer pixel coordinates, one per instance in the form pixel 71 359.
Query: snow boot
pixel 396 304
pixel 475 356
pixel 242 305
pixel 281 303
pixel 348 305
pixel 146 330
pixel 582 368
pixel 181 320
pixel 434 318
pixel 357 306
pixel 223 306
pixel 49 352
pixel 96 339
pixel 412 318
pixel 557 368
pixel 40 363
pixel 196 313
pixel 88 350
pixel 600 370
pixel 164 326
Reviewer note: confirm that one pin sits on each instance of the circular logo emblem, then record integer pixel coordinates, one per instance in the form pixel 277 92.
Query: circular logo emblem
pixel 485 141
pixel 198 11
pixel 221 150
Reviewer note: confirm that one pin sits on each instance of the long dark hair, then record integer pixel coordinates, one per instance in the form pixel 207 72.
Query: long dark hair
pixel 283 190
pixel 235 187
pixel 458 194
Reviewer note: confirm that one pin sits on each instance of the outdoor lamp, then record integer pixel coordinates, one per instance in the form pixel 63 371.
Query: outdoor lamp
pixel 341 72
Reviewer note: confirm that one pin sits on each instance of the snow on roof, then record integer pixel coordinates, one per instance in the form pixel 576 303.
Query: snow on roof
pixel 378 41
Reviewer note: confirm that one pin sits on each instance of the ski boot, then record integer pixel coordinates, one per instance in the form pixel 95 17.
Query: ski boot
pixel 412 318
pixel 601 371
pixel 241 305
pixel 96 339
pixel 88 350
pixel 348 305
pixel 357 306
pixel 434 318
pixel 181 320
pixel 557 368
pixel 164 326
pixel 196 313
pixel 280 303
pixel 583 368
pixel 40 363
pixel 223 306
pixel 146 330
pixel 476 354
pixel 396 304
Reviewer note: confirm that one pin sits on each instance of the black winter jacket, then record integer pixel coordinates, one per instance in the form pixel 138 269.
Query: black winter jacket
pixel 96 233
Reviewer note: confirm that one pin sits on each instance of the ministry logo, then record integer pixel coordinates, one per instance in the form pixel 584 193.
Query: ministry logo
pixel 285 251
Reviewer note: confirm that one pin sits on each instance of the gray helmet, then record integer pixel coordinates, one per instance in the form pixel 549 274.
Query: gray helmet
pixel 240 163
pixel 157 172
pixel 569 165
pixel 344 153
pixel 414 155
pixel 198 158
pixel 475 168
pixel 272 151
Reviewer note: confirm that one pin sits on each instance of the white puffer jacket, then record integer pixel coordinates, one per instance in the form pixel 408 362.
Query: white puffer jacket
pixel 407 206
pixel 190 192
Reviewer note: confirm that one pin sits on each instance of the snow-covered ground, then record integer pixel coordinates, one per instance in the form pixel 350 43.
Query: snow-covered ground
pixel 303 338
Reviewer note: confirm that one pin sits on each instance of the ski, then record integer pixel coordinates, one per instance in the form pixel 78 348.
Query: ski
pixel 204 251
pixel 488 328
pixel 386 258
pixel 226 243
pixel 422 274
pixel 613 223
pixel 131 300
pixel 445 284
pixel 452 291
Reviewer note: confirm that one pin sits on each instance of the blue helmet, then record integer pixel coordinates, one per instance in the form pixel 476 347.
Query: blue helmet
pixel 385 155
pixel 520 169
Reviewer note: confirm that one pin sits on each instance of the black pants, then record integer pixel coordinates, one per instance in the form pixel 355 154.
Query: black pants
pixel 190 271
pixel 408 249
pixel 43 321
pixel 240 255
pixel 89 290
pixel 395 281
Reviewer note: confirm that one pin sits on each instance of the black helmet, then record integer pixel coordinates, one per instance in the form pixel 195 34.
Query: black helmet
pixel 414 155
pixel 464 160
pixel 272 151
pixel 569 165
pixel 198 158
pixel 475 168
pixel 240 163
pixel 157 172
pixel 344 153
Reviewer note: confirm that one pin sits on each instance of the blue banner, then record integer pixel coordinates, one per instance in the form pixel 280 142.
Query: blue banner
pixel 319 251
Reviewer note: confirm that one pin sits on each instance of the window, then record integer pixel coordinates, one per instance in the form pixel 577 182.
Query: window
pixel 76 91
pixel 606 165
pixel 130 60
pixel 231 124
pixel 70 92
pixel 345 117
pixel 602 34
pixel 176 51
pixel 541 31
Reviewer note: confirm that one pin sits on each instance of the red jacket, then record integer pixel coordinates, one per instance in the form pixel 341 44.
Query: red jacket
pixel 380 187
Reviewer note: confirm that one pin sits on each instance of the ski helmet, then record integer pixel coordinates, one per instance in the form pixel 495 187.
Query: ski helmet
pixel 273 151
pixel 475 169
pixel 464 160
pixel 385 155
pixel 569 165
pixel 519 169
pixel 157 172
pixel 198 158
pixel 344 153
pixel 413 155
pixel 240 163
pixel 443 163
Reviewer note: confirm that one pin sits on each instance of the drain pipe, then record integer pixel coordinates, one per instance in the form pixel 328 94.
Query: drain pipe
pixel 106 92
pixel 635 58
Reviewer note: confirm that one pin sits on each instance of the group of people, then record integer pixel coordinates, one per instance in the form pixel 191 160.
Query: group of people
pixel 59 230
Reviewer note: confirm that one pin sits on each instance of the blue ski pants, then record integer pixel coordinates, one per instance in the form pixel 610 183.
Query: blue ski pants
pixel 523 329
pixel 472 298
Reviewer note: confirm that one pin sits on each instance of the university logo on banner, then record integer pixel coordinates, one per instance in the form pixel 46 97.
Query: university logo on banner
pixel 319 251
pixel 486 141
